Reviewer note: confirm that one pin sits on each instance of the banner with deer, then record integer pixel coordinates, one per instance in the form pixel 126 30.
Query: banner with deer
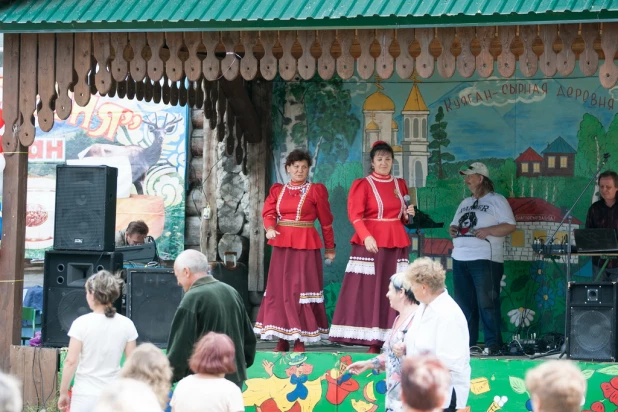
pixel 145 141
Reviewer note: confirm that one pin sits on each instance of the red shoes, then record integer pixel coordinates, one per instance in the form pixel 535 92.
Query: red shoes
pixel 374 349
pixel 282 346
pixel 299 346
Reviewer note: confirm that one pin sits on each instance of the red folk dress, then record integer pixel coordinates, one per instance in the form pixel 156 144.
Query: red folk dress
pixel 293 303
pixel 363 315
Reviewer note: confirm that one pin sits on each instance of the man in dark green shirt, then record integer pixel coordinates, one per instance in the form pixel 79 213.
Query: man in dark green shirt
pixel 207 306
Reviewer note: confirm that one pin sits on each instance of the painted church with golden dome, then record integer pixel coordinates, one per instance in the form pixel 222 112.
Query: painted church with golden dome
pixel 411 154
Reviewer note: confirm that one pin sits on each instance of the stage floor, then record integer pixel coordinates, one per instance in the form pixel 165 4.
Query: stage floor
pixel 314 381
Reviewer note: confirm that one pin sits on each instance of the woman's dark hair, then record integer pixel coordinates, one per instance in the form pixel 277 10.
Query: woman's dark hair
pixel 297 156
pixel 137 227
pixel 105 288
pixel 487 185
pixel 381 146
pixel 609 173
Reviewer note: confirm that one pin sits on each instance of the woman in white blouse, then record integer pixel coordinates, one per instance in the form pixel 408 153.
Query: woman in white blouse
pixel 439 327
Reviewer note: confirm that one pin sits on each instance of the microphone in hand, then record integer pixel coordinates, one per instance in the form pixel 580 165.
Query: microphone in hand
pixel 406 199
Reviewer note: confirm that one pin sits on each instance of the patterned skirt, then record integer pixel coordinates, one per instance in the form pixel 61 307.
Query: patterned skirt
pixel 293 303
pixel 363 314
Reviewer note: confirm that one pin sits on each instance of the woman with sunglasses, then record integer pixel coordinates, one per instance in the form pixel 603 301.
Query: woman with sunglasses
pixel 479 227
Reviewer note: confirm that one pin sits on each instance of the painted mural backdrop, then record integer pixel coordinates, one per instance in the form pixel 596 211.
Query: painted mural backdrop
pixel 306 382
pixel 542 139
pixel 145 141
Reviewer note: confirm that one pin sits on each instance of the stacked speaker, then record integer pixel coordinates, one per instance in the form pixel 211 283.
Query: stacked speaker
pixel 83 245
pixel 591 321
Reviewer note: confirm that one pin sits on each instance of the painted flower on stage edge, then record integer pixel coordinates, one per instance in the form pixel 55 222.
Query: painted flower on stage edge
pixel 502 283
pixel 545 298
pixel 610 390
pixel 521 316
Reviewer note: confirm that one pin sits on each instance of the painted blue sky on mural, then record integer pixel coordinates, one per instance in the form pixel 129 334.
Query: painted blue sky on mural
pixel 521 112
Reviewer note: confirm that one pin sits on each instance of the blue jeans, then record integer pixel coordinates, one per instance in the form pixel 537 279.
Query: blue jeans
pixel 477 292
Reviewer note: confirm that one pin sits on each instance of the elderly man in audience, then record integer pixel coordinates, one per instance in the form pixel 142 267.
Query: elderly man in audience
pixel 207 306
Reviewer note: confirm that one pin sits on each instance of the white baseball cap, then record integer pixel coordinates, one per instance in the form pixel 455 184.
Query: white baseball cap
pixel 476 168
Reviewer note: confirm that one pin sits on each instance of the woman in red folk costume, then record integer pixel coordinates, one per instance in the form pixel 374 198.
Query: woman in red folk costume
pixel 293 304
pixel 377 210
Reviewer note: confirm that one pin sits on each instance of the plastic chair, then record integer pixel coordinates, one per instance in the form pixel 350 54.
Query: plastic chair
pixel 28 314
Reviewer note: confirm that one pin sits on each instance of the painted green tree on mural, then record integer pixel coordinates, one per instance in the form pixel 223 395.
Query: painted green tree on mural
pixel 440 140
pixel 593 142
pixel 316 116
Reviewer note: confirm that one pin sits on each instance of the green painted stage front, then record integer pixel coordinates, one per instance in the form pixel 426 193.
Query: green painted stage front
pixel 315 382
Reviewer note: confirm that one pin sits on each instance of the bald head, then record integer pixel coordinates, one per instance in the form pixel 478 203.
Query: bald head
pixel 194 261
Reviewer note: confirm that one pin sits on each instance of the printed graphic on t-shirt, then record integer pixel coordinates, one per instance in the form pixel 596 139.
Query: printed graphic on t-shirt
pixel 467 222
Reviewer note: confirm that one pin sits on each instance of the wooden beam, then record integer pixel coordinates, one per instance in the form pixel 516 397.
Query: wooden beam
pixel 242 108
pixel 12 253
pixel 258 167
pixel 36 369
pixel 14 208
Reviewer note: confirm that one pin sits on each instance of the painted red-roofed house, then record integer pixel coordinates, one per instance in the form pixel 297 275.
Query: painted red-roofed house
pixel 529 164
pixel 535 218
pixel 440 251
pixel 559 158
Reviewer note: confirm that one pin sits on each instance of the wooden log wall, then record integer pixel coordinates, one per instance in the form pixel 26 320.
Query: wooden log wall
pixel 233 188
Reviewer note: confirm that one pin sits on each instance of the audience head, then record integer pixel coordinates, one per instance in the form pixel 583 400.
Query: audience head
pixel 103 288
pixel 136 232
pixel 127 395
pixel 10 394
pixel 426 279
pixel 556 386
pixel 189 266
pixel 424 383
pixel 148 364
pixel 214 354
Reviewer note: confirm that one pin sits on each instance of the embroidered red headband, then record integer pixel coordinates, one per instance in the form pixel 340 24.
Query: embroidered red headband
pixel 378 142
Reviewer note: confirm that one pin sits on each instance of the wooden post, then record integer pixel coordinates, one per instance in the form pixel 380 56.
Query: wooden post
pixel 13 210
pixel 12 253
pixel 257 164
pixel 208 233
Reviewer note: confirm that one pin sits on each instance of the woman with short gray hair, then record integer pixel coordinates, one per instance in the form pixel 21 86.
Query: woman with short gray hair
pixel 439 327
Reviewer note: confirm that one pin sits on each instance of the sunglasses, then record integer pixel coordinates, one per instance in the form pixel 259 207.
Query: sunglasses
pixel 475 205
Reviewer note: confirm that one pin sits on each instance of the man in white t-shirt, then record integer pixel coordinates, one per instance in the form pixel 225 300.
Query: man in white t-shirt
pixel 479 227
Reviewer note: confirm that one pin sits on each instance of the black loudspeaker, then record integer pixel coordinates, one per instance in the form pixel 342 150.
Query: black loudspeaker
pixel 237 276
pixel 85 208
pixel 64 295
pixel 591 321
pixel 153 295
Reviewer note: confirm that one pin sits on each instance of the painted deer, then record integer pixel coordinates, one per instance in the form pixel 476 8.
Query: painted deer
pixel 141 158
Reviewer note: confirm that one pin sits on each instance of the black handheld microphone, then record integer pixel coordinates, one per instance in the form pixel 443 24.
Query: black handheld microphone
pixel 406 199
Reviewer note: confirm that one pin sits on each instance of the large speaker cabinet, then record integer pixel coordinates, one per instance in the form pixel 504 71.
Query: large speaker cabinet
pixel 153 295
pixel 591 321
pixel 85 208
pixel 64 293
